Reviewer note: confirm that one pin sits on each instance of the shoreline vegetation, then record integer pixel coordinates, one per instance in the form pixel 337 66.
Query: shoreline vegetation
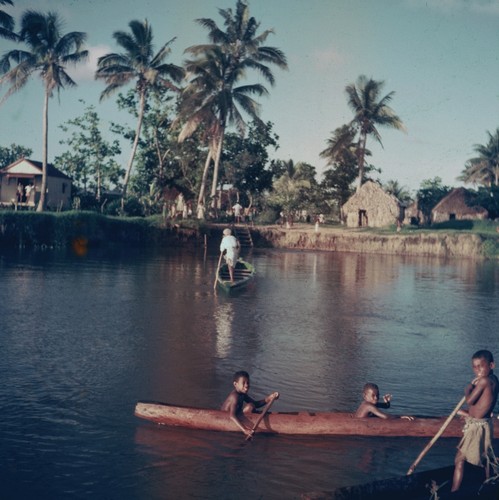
pixel 84 230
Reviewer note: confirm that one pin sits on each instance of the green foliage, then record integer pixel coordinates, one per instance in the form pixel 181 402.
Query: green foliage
pixel 488 198
pixel 245 161
pixel 484 227
pixel 77 230
pixel 47 53
pixel 13 153
pixel 160 160
pixel 89 160
pixel 370 112
pixel 490 248
pixel 400 192
pixel 429 194
pixel 484 168
pixel 267 216
pixel 137 63
pixel 215 96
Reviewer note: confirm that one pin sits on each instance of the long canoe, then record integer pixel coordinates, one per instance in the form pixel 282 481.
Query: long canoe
pixel 298 423
pixel 244 272
pixel 418 486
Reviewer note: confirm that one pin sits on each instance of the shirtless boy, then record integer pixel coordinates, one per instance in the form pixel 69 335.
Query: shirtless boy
pixel 481 396
pixel 370 406
pixel 238 402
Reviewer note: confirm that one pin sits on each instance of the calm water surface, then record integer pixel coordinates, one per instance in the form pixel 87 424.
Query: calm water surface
pixel 82 339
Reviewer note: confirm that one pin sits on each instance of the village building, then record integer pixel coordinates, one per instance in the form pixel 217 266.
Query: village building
pixel 458 205
pixel 372 206
pixel 21 182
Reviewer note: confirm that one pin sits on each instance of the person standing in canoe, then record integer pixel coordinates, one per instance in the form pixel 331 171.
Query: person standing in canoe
pixel 239 403
pixel 370 407
pixel 478 432
pixel 231 247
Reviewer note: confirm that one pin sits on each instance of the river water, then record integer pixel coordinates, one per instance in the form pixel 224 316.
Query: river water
pixel 84 338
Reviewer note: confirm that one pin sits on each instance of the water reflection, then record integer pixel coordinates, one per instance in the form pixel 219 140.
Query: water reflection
pixel 83 339
pixel 224 316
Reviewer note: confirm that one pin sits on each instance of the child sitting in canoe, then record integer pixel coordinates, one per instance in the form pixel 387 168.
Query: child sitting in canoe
pixel 238 402
pixel 370 407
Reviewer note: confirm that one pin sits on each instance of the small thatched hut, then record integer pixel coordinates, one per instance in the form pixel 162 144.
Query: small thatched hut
pixel 413 215
pixel 458 205
pixel 371 206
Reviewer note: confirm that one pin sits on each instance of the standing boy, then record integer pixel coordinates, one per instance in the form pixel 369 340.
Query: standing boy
pixel 238 402
pixel 481 396
pixel 231 247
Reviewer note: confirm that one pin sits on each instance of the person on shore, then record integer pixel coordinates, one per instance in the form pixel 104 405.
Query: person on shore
pixel 370 406
pixel 230 245
pixel 238 403
pixel 236 209
pixel 481 396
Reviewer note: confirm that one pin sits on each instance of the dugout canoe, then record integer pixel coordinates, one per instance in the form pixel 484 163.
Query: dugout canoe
pixel 244 272
pixel 297 423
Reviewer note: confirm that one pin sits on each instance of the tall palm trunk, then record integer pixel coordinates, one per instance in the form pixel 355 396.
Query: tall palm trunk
pixel 42 201
pixel 142 105
pixel 216 168
pixel 202 188
pixel 362 154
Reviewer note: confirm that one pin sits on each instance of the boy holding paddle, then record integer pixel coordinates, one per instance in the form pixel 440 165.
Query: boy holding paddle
pixel 230 245
pixel 239 403
pixel 478 432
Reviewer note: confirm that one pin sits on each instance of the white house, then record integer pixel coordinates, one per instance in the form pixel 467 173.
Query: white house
pixel 21 181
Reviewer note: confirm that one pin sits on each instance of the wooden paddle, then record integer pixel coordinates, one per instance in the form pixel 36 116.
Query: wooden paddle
pixel 218 269
pixel 437 435
pixel 262 415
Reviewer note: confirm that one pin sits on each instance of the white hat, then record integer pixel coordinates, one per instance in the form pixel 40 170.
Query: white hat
pixel 227 231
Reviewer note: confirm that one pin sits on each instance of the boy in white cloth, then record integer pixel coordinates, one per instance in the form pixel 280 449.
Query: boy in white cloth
pixel 231 247
pixel 478 432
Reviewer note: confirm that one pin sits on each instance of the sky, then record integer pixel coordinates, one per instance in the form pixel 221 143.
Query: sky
pixel 439 57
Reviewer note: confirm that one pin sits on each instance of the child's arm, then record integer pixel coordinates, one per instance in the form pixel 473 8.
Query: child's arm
pixel 386 401
pixel 475 389
pixel 230 405
pixel 366 409
pixel 263 402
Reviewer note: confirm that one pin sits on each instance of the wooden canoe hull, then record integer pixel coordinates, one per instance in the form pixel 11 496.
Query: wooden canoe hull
pixel 244 272
pixel 298 423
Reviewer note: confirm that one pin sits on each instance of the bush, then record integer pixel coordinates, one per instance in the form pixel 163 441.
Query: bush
pixel 490 249
pixel 267 216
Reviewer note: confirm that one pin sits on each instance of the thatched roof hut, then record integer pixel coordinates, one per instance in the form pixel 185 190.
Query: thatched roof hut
pixel 372 206
pixel 459 204
pixel 413 215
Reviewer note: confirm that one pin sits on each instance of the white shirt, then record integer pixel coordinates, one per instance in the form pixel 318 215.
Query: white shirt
pixel 231 245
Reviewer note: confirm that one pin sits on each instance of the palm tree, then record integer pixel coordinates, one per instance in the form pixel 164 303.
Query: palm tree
pixel 484 169
pixel 139 63
pixel 213 96
pixel 370 112
pixel 7 23
pixel 400 192
pixel 50 53
pixel 341 146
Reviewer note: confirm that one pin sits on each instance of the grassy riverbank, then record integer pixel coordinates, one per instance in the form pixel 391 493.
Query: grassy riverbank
pixel 440 243
pixel 82 230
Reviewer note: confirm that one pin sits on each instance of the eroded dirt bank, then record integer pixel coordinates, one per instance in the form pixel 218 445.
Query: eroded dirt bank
pixel 343 240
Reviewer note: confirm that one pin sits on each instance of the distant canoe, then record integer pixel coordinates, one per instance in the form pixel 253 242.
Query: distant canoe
pixel 298 423
pixel 417 486
pixel 244 272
